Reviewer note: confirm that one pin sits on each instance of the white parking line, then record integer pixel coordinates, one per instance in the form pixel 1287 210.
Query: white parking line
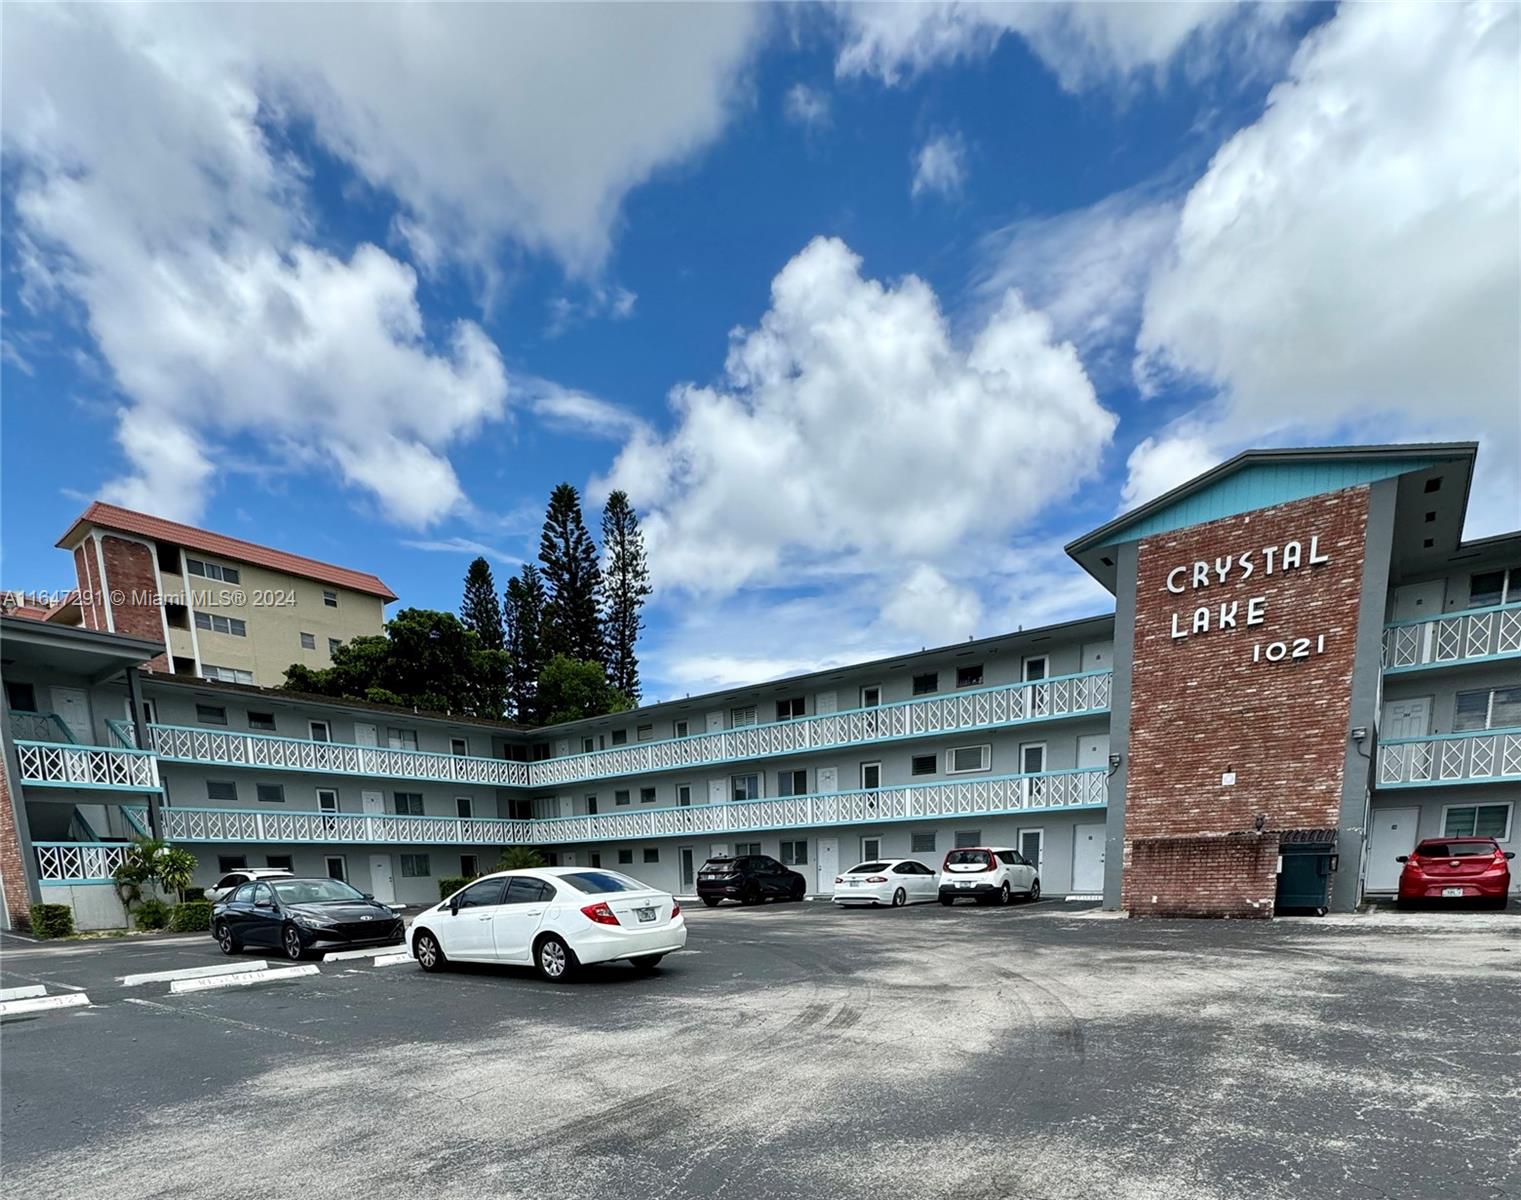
pixel 229 968
pixel 242 979
pixel 22 993
pixel 11 1008
pixel 369 952
pixel 393 960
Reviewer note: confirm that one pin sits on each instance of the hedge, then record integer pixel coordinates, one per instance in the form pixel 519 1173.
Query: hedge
pixel 449 884
pixel 52 920
pixel 151 913
pixel 195 894
pixel 193 916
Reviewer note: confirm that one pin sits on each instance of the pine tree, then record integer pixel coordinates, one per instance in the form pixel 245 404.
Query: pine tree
pixel 525 619
pixel 625 585
pixel 572 579
pixel 480 609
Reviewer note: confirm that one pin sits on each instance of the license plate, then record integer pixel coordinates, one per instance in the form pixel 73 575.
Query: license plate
pixel 963 883
pixel 1452 891
pixel 852 883
pixel 645 914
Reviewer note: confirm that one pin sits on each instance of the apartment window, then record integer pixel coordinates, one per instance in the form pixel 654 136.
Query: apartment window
pixel 319 731
pixel 231 862
pixel 224 791
pixel 968 837
pixel 587 745
pixel 871 776
pixel 332 646
pixel 220 624
pixel 1494 587
pixel 327 801
pixel 225 674
pixel 625 858
pixel 742 849
pixel 280 862
pixel 211 570
pixel 464 806
pixel 927 684
pixel 211 714
pixel 742 716
pixel 401 739
pixel 415 866
pixel 681 729
pixel 620 737
pixel 871 696
pixel 1036 668
pixel 647 795
pixel 408 804
pixel 262 721
pixel 746 787
pixel 922 843
pixel 922 764
pixel 645 733
pixel 591 805
pixel 651 854
pixel 337 867
pixel 22 697
pixel 794 854
pixel 1477 820
pixel 792 783
pixel 789 709
pixel 969 676
pixel 871 849
pixel 1491 708
pixel 270 793
pixel 596 859
pixel 459 747
pixel 964 759
pixel 308 641
pixel 683 794
pixel 469 865
pixel 330 599
pixel 1032 758
pixel 621 796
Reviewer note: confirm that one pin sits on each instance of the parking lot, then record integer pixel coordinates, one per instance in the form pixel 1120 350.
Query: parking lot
pixel 1041 1051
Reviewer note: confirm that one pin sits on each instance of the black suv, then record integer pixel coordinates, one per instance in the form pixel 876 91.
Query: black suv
pixel 749 878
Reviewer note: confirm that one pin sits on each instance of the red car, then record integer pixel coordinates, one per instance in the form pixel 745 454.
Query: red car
pixel 1471 868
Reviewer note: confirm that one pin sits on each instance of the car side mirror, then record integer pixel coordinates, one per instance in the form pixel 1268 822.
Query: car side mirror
pixel 1510 854
pixel 1403 858
pixel 263 904
pixel 454 906
pixel 367 895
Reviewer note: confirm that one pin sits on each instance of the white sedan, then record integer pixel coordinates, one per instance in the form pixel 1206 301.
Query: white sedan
pixel 895 881
pixel 555 919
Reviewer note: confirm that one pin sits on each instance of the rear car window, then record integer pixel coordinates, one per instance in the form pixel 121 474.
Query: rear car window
pixel 1455 849
pixel 967 858
pixel 867 868
pixel 719 866
pixel 595 883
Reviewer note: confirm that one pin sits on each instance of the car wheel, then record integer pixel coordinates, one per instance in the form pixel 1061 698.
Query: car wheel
pixel 710 901
pixel 1004 895
pixel 799 891
pixel 751 895
pixel 428 952
pixel 1499 902
pixel 947 901
pixel 646 962
pixel 290 942
pixel 1034 890
pixel 553 959
pixel 900 898
pixel 225 940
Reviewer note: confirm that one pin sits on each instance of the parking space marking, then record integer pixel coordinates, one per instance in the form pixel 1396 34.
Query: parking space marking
pixel 184 1011
pixel 369 952
pixel 11 1008
pixel 242 979
pixel 229 968
pixel 22 993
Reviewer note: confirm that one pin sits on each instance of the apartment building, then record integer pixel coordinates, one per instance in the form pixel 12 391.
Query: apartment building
pixel 1306 670
pixel 221 607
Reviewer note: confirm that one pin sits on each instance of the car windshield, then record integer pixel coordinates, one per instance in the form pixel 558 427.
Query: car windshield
pixel 867 868
pixel 1455 849
pixel 596 882
pixel 967 858
pixel 313 891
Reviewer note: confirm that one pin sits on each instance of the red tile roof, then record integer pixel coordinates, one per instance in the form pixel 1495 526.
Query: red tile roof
pixel 124 520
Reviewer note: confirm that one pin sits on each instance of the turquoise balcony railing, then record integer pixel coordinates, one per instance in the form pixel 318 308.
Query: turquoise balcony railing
pixel 1478 756
pixel 1473 635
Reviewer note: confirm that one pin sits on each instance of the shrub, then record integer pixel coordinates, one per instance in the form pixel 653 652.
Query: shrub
pixel 449 884
pixel 519 858
pixel 193 916
pixel 195 893
pixel 151 913
pixel 52 920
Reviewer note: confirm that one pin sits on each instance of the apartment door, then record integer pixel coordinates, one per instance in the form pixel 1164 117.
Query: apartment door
pixel 366 734
pixel 715 722
pixel 327 803
pixel 1088 859
pixel 1406 718
pixel 374 803
pixel 828 865
pixel 826 702
pixel 688 856
pixel 73 705
pixel 1416 600
pixel 827 780
pixel 1032 844
pixel 1392 834
pixel 382 883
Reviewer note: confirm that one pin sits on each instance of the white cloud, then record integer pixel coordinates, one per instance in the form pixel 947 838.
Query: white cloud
pixel 807 106
pixel 1158 464
pixel 462 546
pixel 853 438
pixel 1082 44
pixel 1350 265
pixel 940 166
pixel 577 412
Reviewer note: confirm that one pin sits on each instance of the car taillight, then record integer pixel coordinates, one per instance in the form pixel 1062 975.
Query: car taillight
pixel 876 879
pixel 839 879
pixel 675 910
pixel 600 913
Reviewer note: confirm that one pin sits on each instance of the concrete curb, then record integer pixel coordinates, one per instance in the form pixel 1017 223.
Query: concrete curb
pixel 22 993
pixel 11 1008
pixel 231 968
pixel 370 952
pixel 242 979
pixel 393 960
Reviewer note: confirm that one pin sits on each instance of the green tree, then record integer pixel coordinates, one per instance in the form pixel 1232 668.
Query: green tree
pixel 150 862
pixel 426 659
pixel 572 579
pixel 519 858
pixel 525 645
pixel 480 611
pixel 625 587
pixel 571 689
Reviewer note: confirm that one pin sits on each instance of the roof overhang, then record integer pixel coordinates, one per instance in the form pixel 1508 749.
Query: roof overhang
pixel 70 650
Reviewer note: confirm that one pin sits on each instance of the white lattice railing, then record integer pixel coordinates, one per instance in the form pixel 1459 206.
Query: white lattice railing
pixel 54 764
pixel 78 862
pixel 1083 788
pixel 1482 756
pixel 186 743
pixel 1060 696
pixel 1453 637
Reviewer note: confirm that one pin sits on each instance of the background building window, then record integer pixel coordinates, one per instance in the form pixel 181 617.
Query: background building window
pixel 223 790
pixel 651 854
pixel 789 709
pixel 210 570
pixel 647 795
pixel 644 733
pixel 409 804
pixel 621 796
pixel 795 854
pixel 968 837
pixel 337 867
pixel 226 674
pixel 681 729
pixel 280 862
pixel 1036 668
pixel 746 787
pixel 743 849
pixel 587 745
pixel 401 739
pixel 625 858
pixel 927 684
pixel 264 721
pixel 1477 820
pixel 469 866
pixel 330 599
pixel 231 862
pixel 683 794
pixel 742 716
pixel 922 843
pixel 1490 588
pixel 963 759
pixel 271 793
pixel 1490 708
pixel 308 641
pixel 220 624
pixel 792 783
pixel 459 747
pixel 319 731
pixel 22 697
pixel 211 714
pixel 922 764
pixel 620 737
pixel 464 806
pixel 415 866
pixel 969 676
pixel 332 646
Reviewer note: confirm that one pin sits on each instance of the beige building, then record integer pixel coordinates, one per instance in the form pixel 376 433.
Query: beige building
pixel 225 609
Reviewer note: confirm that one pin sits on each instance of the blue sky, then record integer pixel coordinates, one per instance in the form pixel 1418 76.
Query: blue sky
pixel 868 308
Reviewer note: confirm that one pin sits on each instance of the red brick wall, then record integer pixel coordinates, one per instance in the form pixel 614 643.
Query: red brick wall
pixel 1230 876
pixel 133 592
pixel 12 876
pixel 90 600
pixel 1200 705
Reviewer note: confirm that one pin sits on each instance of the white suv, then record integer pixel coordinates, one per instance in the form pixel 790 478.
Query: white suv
pixel 236 878
pixel 988 875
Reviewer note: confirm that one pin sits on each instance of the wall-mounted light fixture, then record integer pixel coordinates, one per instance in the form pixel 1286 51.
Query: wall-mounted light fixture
pixel 1114 762
pixel 1360 734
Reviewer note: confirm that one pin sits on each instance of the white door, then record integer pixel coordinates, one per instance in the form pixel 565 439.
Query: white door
pixel 1406 718
pixel 467 932
pixel 1393 834
pixel 382 885
pixel 715 722
pixel 718 850
pixel 1098 656
pixel 827 780
pixel 73 705
pixel 826 702
pixel 1419 599
pixel 828 865
pixel 718 791
pixel 1093 750
pixel 374 803
pixel 366 734
pixel 1088 859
